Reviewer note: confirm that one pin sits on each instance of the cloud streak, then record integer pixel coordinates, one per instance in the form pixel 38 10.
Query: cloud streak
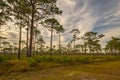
pixel 102 16
pixel 90 15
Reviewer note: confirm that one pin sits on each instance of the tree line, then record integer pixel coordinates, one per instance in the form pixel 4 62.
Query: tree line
pixel 32 14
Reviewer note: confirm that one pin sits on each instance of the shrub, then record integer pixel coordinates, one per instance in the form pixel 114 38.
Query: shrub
pixel 47 59
pixel 2 59
pixel 82 59
pixel 33 62
pixel 64 59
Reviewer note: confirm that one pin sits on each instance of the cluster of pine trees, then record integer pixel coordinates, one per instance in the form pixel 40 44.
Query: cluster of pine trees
pixel 30 15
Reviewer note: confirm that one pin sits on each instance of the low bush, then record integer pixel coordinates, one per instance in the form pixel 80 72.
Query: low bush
pixel 83 60
pixel 2 59
pixel 65 60
pixel 33 62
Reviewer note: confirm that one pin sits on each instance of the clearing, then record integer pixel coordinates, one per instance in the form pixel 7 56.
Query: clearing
pixel 92 71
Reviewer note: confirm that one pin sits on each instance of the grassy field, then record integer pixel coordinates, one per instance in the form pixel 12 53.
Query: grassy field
pixel 64 67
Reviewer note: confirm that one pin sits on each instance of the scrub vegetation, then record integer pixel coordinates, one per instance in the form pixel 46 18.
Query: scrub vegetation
pixel 31 58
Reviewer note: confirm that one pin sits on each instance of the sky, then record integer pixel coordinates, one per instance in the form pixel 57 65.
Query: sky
pixel 102 16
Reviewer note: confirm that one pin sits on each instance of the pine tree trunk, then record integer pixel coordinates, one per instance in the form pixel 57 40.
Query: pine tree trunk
pixel 90 47
pixel 85 49
pixel 31 39
pixel 19 49
pixel 27 41
pixel 0 45
pixel 59 41
pixel 51 40
pixel 31 29
pixel 35 43
pixel 74 44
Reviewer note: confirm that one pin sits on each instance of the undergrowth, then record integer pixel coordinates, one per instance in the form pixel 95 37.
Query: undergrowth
pixel 9 64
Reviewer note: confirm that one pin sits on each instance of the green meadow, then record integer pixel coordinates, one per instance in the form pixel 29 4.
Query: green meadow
pixel 60 67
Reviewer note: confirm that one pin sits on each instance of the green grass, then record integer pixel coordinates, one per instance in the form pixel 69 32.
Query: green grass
pixel 94 71
pixel 56 67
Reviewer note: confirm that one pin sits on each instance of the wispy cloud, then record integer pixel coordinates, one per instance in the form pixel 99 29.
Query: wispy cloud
pixel 88 15
pixel 102 16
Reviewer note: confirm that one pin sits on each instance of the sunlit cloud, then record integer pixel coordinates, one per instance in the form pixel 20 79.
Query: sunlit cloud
pixel 91 15
pixel 102 16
